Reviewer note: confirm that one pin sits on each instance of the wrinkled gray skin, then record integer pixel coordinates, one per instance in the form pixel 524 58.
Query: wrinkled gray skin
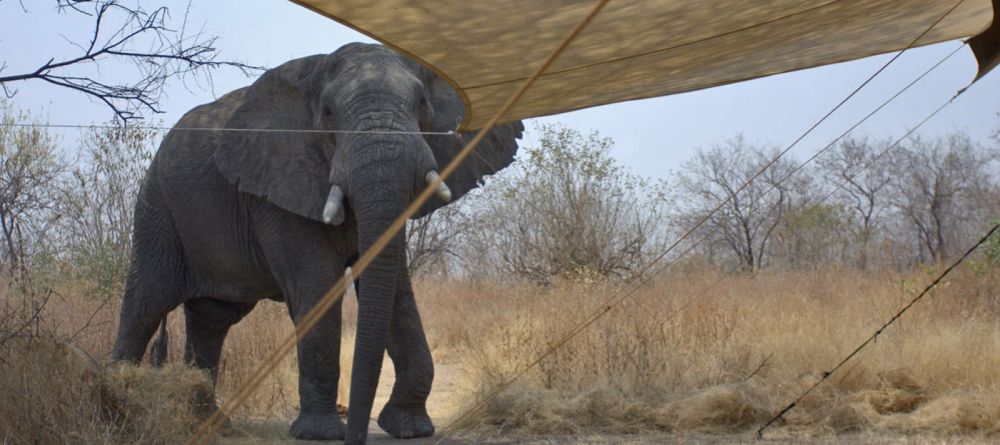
pixel 226 219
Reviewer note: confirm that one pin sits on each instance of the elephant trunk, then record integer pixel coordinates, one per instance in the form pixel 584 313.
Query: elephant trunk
pixel 379 194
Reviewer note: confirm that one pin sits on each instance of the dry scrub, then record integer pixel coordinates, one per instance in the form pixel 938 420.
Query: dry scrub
pixel 56 387
pixel 56 393
pixel 723 362
pixel 669 360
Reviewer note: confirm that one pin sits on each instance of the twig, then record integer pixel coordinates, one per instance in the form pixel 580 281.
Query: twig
pixel 170 54
pixel 761 366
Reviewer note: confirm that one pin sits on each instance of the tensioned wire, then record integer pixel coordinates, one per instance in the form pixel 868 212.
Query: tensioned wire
pixel 834 190
pixel 879 331
pixel 644 279
pixel 239 130
pixel 884 152
pixel 874 336
pixel 615 300
pixel 210 426
pixel 802 165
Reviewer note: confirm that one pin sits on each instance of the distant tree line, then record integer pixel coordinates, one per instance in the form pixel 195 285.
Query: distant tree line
pixel 865 203
pixel 564 209
pixel 567 208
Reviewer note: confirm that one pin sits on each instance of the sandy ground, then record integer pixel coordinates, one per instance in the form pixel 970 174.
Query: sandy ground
pixel 274 432
pixel 443 405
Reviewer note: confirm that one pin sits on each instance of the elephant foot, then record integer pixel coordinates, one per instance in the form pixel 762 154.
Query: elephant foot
pixel 203 403
pixel 203 407
pixel 406 423
pixel 318 427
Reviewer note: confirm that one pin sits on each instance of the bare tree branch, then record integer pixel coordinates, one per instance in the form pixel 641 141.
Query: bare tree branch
pixel 131 35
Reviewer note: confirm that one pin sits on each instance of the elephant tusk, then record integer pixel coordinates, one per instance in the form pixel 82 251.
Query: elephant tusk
pixel 442 191
pixel 333 211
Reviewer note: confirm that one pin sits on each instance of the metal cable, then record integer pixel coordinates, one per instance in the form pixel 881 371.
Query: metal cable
pixel 239 130
pixel 792 173
pixel 871 338
pixel 718 280
pixel 812 158
pixel 878 156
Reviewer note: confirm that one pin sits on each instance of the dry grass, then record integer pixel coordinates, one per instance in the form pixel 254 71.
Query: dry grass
pixel 74 398
pixel 739 353
pixel 719 365
pixel 56 393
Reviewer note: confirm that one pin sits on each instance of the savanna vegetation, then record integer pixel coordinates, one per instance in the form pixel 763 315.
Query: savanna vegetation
pixel 730 325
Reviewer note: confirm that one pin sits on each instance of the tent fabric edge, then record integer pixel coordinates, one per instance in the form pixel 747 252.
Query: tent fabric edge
pixel 986 45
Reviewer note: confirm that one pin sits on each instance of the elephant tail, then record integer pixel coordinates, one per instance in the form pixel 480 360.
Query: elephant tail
pixel 159 352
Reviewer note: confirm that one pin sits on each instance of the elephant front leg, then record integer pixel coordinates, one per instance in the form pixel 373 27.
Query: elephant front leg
pixel 319 373
pixel 304 259
pixel 405 414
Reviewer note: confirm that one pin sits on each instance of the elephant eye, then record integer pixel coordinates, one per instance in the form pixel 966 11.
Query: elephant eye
pixel 425 111
pixel 327 112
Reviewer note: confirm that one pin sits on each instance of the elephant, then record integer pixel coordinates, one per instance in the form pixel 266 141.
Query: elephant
pixel 235 208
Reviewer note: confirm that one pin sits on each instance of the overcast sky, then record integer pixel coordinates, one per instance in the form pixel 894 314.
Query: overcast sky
pixel 651 136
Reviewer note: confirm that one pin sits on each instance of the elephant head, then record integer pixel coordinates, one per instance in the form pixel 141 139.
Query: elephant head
pixel 363 108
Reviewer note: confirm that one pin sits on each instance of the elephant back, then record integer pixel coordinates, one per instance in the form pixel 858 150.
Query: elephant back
pixel 186 151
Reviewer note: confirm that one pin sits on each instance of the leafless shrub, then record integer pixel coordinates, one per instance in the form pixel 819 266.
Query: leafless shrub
pixel 860 171
pixel 29 166
pixel 566 208
pixel 747 219
pixel 432 241
pixel 98 200
pixel 888 207
pixel 944 192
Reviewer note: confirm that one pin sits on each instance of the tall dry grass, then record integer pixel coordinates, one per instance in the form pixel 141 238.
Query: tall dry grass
pixel 58 369
pixel 52 391
pixel 670 359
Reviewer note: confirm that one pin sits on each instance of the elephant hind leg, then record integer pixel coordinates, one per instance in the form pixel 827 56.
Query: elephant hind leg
pixel 159 349
pixel 157 277
pixel 207 321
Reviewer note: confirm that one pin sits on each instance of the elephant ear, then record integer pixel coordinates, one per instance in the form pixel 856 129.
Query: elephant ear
pixel 493 153
pixel 287 168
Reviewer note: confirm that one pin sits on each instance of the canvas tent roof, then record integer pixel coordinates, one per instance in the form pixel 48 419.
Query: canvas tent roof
pixel 645 48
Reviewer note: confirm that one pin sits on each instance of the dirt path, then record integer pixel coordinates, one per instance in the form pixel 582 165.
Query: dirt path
pixel 442 405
